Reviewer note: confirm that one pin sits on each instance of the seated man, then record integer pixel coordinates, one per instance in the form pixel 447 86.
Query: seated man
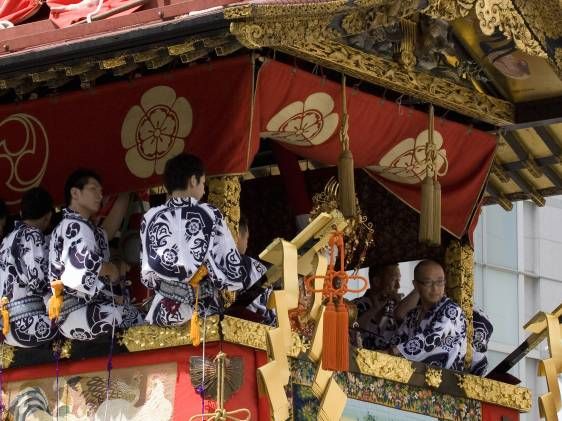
pixel 482 331
pixel 79 261
pixel 434 332
pixel 24 273
pixel 375 309
pixel 182 237
pixel 259 305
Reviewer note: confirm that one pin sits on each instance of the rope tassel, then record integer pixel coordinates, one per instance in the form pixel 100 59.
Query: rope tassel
pixel 342 336
pixel 346 175
pixel 430 206
pixel 5 317
pixel 57 300
pixel 329 339
pixel 194 329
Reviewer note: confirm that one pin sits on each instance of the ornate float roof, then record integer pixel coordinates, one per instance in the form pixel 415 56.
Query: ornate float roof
pixel 492 62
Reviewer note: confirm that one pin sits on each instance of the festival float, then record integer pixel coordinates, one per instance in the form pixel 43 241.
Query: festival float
pixel 377 128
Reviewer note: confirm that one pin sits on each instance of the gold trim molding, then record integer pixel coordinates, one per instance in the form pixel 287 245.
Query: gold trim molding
pixel 495 392
pixel 244 332
pixel 147 337
pixel 310 40
pixel 433 377
pixel 289 10
pixel 459 267
pixel 224 193
pixel 384 366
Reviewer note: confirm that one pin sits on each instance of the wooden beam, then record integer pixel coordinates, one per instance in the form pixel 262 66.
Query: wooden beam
pixel 542 112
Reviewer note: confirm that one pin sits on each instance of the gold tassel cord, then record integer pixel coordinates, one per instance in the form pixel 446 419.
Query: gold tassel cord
pixel 346 174
pixel 194 330
pixel 57 300
pixel 430 208
pixel 5 316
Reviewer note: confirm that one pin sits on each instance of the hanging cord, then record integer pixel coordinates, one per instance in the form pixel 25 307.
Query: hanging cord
pixel 203 390
pixel 346 175
pixel 2 380
pixel 110 357
pixel 56 354
pixel 95 12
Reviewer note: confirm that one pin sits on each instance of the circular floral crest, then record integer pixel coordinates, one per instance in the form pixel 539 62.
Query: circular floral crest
pixel 407 161
pixel 307 123
pixel 155 130
pixel 170 257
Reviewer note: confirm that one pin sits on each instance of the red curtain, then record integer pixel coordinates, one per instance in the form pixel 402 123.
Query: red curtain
pixel 126 131
pixel 303 112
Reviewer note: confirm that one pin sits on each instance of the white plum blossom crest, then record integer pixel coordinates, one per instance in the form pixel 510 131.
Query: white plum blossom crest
pixel 155 130
pixel 307 123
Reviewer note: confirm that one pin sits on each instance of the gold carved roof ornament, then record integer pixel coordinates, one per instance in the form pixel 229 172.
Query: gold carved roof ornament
pixel 315 39
pixel 359 231
pixel 502 15
pixel 449 9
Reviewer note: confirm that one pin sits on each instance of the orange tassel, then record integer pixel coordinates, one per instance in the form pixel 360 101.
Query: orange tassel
pixel 342 339
pixel 329 339
pixel 194 330
pixel 56 301
pixel 5 317
pixel 199 275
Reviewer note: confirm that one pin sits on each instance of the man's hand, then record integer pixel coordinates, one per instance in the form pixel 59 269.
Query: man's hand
pixel 111 271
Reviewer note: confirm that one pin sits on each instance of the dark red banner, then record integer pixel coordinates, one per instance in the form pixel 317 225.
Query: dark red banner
pixel 303 112
pixel 127 131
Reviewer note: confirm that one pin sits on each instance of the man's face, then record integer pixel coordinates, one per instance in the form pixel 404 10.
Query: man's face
pixel 431 284
pixel 198 187
pixel 89 197
pixel 391 279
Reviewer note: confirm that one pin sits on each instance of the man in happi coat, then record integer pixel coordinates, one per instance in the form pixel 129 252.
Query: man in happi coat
pixel 79 261
pixel 259 305
pixel 24 273
pixel 434 332
pixel 182 237
pixel 375 309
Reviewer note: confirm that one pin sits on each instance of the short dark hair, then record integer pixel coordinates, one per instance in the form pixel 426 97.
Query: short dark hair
pixel 36 203
pixel 3 209
pixel 423 264
pixel 243 224
pixel 78 179
pixel 377 271
pixel 179 170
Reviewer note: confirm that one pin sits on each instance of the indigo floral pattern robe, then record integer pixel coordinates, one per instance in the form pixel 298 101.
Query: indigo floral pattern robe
pixel 24 281
pixel 436 338
pixel 77 250
pixel 177 238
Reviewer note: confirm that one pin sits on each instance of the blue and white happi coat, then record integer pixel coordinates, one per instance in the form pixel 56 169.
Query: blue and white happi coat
pixel 24 281
pixel 177 238
pixel 482 332
pixel 436 338
pixel 77 250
